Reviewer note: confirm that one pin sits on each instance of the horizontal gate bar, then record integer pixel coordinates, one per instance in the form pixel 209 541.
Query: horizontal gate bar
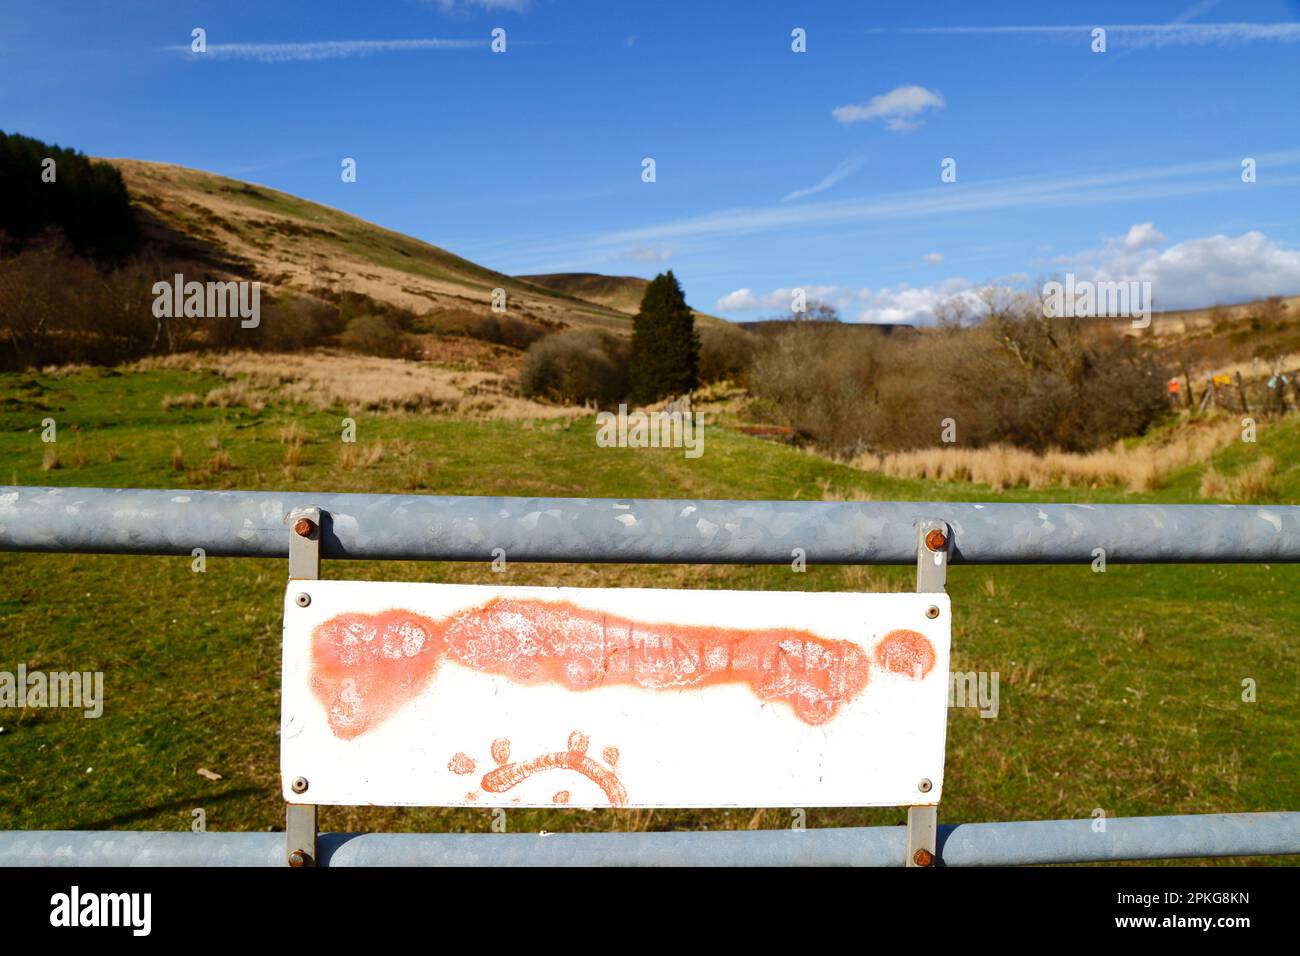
pixel 430 527
pixel 964 844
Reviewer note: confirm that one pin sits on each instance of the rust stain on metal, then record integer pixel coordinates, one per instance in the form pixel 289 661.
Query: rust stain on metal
pixel 936 540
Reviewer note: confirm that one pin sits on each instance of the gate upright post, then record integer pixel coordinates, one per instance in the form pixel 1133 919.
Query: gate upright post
pixel 300 827
pixel 933 546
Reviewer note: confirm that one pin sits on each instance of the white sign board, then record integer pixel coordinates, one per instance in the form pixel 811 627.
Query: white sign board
pixel 459 695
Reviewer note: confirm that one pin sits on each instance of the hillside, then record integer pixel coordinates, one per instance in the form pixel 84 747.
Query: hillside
pixel 291 243
pixel 620 293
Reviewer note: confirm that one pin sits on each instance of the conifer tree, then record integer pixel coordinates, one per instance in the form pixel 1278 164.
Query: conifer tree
pixel 665 347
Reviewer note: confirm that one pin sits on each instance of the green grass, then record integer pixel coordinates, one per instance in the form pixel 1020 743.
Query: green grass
pixel 1120 691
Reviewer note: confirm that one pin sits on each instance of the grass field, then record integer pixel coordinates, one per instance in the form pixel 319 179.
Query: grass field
pixel 1120 691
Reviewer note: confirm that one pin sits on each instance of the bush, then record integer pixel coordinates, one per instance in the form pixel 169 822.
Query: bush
pixel 58 308
pixel 576 367
pixel 1016 378
pixel 296 322
pixel 378 335
pixel 817 380
pixel 726 353
pixel 504 330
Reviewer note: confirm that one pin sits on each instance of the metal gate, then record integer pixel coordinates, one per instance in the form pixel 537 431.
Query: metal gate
pixel 443 528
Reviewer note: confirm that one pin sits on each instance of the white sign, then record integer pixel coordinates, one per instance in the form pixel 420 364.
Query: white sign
pixel 459 695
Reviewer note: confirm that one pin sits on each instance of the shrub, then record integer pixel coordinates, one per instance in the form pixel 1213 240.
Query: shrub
pixel 296 322
pixel 576 367
pixel 59 308
pixel 1016 378
pixel 816 381
pixel 505 330
pixel 378 335
pixel 726 353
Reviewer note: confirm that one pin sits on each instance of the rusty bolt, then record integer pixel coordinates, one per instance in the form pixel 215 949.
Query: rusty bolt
pixel 932 611
pixel 304 527
pixel 299 859
pixel 935 540
pixel 299 785
pixel 923 857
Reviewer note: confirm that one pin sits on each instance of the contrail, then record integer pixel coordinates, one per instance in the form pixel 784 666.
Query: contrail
pixel 322 50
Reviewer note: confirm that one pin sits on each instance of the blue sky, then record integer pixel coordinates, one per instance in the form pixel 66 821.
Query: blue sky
pixel 774 169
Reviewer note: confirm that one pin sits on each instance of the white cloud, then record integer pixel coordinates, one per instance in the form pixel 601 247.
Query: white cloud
pixel 742 300
pixel 1138 35
pixel 516 5
pixel 1141 235
pixel 649 254
pixel 894 106
pixel 846 168
pixel 322 50
pixel 1146 184
pixel 904 304
pixel 1198 272
pixel 897 125
pixel 935 257
pixel 745 300
pixel 1190 274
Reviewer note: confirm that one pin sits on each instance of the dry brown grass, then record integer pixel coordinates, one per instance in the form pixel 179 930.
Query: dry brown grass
pixel 831 493
pixel 50 460
pixel 1256 482
pixel 324 379
pixel 300 246
pixel 219 462
pixel 1142 468
pixel 184 400
pixel 178 458
pixel 293 434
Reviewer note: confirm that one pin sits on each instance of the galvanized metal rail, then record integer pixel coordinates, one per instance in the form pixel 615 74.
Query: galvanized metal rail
pixel 446 528
pixel 963 844
pixel 413 527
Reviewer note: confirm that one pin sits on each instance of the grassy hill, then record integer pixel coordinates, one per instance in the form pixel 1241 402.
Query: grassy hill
pixel 621 293
pixel 291 243
pixel 1119 690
